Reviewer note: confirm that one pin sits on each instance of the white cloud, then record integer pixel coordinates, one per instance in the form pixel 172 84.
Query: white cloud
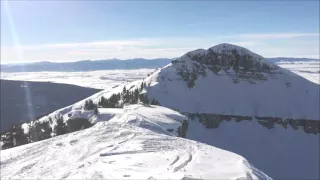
pixel 87 44
pixel 269 36
pixel 265 44
pixel 274 36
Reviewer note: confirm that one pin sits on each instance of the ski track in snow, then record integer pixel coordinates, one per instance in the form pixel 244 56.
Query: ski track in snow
pixel 175 160
pixel 115 146
pixel 184 163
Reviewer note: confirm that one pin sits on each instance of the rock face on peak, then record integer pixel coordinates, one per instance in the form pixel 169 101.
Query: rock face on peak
pixel 237 61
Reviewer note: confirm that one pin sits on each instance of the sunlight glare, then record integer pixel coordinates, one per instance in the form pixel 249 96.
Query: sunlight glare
pixel 19 53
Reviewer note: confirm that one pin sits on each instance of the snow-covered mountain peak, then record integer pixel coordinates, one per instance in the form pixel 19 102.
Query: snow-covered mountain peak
pixel 228 57
pixel 229 47
pixel 224 48
pixel 228 79
pixel 238 63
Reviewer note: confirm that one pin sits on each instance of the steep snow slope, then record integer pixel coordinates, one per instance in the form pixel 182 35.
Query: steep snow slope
pixel 280 153
pixel 214 81
pixel 133 144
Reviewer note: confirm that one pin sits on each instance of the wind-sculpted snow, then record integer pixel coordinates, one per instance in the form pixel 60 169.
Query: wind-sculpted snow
pixel 120 148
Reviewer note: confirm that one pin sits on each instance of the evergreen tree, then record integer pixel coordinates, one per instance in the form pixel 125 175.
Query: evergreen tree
pixel 144 98
pixel 136 96
pixel 34 131
pixel 19 138
pixel 86 105
pixel 7 141
pixel 89 105
pixel 182 130
pixel 78 124
pixel 141 87
pixel 124 90
pixel 50 120
pixel 39 131
pixel 61 127
pixel 113 100
pixel 154 102
pixel 102 102
pixel 95 110
pixel 46 130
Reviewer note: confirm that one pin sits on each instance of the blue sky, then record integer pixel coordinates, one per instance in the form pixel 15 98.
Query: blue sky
pixel 79 30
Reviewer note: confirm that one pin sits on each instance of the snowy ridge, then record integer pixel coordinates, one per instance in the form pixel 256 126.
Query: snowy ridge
pixel 122 148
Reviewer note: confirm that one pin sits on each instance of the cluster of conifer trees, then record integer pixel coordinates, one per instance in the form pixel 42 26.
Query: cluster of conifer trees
pixel 38 131
pixel 126 97
pixel 46 129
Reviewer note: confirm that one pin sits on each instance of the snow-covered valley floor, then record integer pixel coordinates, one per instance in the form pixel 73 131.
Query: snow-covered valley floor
pixel 307 69
pixel 134 144
pixel 105 79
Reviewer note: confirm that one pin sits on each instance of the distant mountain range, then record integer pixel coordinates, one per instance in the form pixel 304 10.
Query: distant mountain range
pixel 110 64
pixel 87 65
pixel 288 59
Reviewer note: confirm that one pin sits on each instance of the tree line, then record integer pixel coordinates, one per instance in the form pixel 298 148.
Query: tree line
pixel 118 100
pixel 42 130
pixel 214 121
pixel 46 129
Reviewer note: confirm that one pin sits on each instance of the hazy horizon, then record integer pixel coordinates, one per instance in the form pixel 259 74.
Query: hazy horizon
pixel 34 31
pixel 31 62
